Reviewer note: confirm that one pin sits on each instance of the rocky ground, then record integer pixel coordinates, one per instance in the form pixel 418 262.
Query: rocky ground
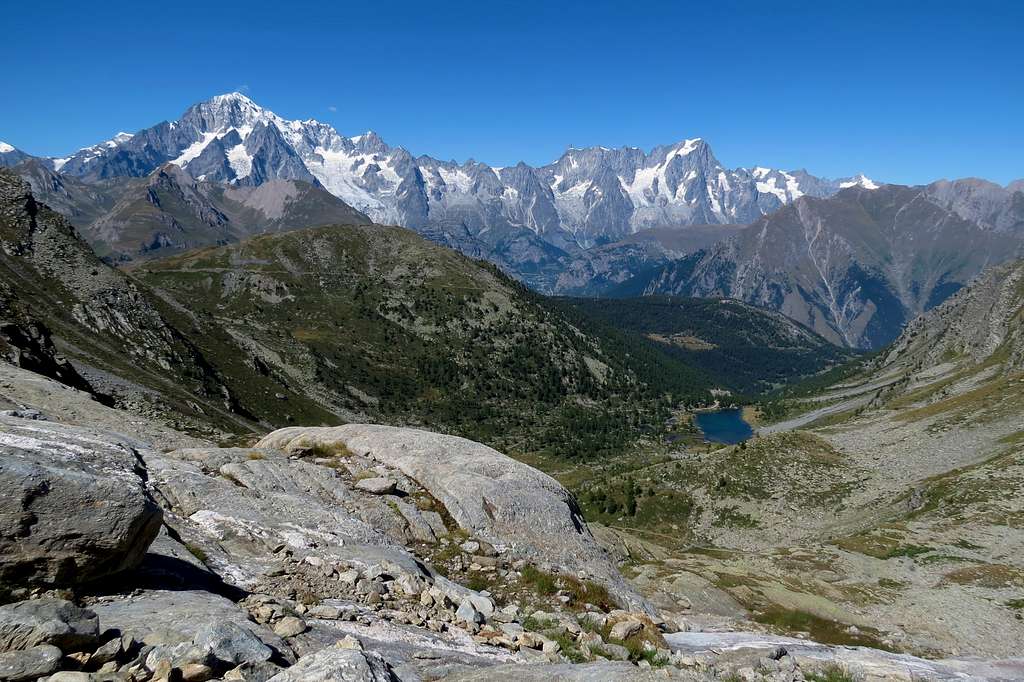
pixel 349 553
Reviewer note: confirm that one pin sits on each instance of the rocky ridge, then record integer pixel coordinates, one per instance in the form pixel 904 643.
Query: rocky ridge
pixel 73 317
pixel 169 211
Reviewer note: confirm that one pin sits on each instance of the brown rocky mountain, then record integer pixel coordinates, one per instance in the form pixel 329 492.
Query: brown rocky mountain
pixel 855 267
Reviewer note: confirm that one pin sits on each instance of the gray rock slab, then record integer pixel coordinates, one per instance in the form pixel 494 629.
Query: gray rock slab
pixel 73 503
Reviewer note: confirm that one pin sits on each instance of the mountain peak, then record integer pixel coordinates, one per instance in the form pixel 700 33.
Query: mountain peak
pixel 232 107
pixel 5 148
pixel 232 97
pixel 859 180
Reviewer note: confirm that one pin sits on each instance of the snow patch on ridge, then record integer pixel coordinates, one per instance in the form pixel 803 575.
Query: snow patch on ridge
pixel 861 180
pixel 240 161
pixel 194 150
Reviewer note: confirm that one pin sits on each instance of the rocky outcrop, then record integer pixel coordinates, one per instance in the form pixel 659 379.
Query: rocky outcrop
pixel 47 472
pixel 343 662
pixel 275 564
pixel 56 622
pixel 28 344
pixel 29 664
pixel 508 504
pixel 107 327
pixel 209 622
pixel 980 321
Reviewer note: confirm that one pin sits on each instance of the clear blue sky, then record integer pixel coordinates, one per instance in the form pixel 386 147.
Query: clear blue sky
pixel 904 91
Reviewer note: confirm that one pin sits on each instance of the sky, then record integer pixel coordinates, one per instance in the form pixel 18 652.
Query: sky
pixel 905 92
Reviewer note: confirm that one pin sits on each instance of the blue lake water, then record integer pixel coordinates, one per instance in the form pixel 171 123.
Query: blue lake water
pixel 724 426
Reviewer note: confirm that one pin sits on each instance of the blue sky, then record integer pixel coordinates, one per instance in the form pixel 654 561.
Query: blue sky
pixel 905 92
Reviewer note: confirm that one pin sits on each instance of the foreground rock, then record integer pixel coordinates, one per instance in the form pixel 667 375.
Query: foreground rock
pixel 208 621
pixel 282 567
pixel 46 621
pixel 337 664
pixel 30 663
pixel 606 671
pixel 491 496
pixel 735 650
pixel 48 470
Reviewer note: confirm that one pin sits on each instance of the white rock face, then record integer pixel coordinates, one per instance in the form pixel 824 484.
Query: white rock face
pixel 509 504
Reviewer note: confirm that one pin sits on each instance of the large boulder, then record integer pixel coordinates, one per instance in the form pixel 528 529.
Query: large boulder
pixel 29 664
pixel 239 506
pixel 338 664
pixel 511 505
pixel 192 617
pixel 26 624
pixel 73 504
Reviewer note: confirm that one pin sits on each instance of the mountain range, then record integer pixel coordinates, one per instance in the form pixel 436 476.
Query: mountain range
pixel 586 197
pixel 851 258
pixel 855 267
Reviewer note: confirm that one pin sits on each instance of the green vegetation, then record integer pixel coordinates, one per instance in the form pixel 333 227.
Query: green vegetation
pixel 882 543
pixel 326 451
pixel 740 347
pixel 785 401
pixel 820 629
pixel 196 551
pixel 830 673
pixel 733 518
pixel 580 592
pixel 992 576
pixel 377 322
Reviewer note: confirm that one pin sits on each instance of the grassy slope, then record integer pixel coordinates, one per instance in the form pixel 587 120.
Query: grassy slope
pixel 742 348
pixel 376 323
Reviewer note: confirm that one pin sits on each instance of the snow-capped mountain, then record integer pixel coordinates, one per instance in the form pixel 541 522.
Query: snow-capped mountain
pixel 86 154
pixel 10 156
pixel 588 196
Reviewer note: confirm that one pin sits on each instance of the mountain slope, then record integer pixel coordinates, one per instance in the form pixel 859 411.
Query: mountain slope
pixel 744 349
pixel 990 206
pixel 323 326
pixel 854 267
pixel 119 345
pixel 981 326
pixel 169 211
pixel 346 322
pixel 10 156
pixel 587 196
pixel 892 502
pixel 603 268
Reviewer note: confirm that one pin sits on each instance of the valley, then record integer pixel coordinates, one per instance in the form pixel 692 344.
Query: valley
pixel 892 520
